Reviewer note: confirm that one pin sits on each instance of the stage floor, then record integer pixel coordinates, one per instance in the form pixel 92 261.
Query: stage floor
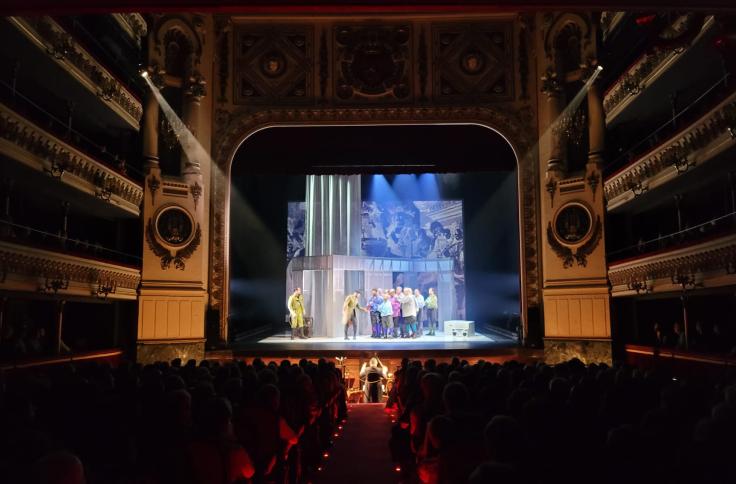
pixel 281 345
pixel 439 341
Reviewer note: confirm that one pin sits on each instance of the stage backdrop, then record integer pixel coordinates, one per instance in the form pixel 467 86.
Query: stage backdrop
pixel 418 230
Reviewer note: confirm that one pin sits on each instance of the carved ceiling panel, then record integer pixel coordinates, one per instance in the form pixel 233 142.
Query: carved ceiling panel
pixel 273 64
pixel 372 62
pixel 473 61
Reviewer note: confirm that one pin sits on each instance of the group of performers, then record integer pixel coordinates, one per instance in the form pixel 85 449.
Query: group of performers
pixel 401 312
pixel 394 313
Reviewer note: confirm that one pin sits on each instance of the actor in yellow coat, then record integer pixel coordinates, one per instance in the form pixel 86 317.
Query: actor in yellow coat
pixel 296 313
pixel 349 318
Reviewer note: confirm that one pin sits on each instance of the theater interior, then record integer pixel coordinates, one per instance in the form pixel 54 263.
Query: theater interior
pixel 358 241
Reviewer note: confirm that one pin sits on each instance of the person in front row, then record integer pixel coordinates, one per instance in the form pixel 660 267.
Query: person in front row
pixel 349 315
pixel 386 311
pixel 296 313
pixel 419 325
pixel 409 312
pixel 430 305
pixel 373 303
pixel 396 315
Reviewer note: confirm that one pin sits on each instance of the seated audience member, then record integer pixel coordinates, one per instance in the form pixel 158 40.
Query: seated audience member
pixel 679 339
pixel 215 455
pixel 60 467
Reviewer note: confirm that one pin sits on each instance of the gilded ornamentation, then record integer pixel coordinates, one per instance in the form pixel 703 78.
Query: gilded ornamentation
pixel 56 153
pixel 15 259
pixel 582 252
pixel 372 62
pixel 196 191
pixel 180 256
pixel 675 152
pixel 423 65
pixel 273 64
pixel 473 61
pixel 62 46
pixel 324 70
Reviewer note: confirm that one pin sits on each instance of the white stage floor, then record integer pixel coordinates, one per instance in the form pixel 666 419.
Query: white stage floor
pixel 439 338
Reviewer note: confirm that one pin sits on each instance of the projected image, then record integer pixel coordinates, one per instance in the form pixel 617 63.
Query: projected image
pixel 414 230
pixel 295 230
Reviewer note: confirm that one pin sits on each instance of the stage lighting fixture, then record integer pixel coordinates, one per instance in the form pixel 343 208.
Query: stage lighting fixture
pixel 144 74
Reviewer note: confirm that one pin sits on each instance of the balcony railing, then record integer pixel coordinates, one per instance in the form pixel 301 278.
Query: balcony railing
pixel 643 72
pixel 707 263
pixel 49 36
pixel 699 142
pixel 30 269
pixel 25 142
pixel 133 24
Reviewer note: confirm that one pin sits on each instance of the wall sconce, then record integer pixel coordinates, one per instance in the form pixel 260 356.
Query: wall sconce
pixel 55 285
pixel 686 281
pixel 105 289
pixel 638 189
pixel 682 164
pixel 640 286
pixel 731 267
pixel 731 132
pixel 56 170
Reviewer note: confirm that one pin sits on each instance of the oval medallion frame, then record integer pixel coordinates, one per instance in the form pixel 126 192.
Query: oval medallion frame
pixel 570 217
pixel 178 222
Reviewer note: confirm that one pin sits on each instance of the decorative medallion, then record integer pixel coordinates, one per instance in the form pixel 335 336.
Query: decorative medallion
pixel 573 234
pixel 174 225
pixel 373 62
pixel 173 229
pixel 273 64
pixel 473 61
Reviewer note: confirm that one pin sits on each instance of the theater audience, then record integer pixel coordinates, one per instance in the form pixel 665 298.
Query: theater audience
pixel 568 423
pixel 168 423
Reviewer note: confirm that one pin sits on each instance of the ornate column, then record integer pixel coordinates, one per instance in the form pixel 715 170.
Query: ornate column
pixel 150 119
pixel 194 92
pixel 552 88
pixel 596 121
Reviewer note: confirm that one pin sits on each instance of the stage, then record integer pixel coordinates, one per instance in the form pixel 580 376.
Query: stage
pixel 280 345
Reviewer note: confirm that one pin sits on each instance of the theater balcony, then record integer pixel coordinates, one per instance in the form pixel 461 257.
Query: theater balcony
pixel 73 70
pixel 651 78
pixel 706 139
pixel 133 24
pixel 25 268
pixel 704 263
pixel 61 166
pixel 610 22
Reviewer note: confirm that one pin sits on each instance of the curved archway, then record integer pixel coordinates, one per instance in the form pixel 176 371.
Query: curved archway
pixel 516 128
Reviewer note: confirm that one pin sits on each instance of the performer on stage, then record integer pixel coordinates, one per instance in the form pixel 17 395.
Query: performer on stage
pixel 396 315
pixel 420 311
pixel 399 320
pixel 373 303
pixel 409 312
pixel 386 311
pixel 431 306
pixel 296 311
pixel 349 317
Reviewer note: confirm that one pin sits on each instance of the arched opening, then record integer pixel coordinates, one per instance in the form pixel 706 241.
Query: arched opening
pixel 406 163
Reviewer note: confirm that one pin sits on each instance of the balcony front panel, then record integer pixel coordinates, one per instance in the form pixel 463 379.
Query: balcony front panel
pixel 701 141
pixel 29 269
pixel 706 264
pixel 25 142
pixel 51 38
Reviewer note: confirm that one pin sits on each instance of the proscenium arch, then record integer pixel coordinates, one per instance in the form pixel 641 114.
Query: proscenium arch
pixel 514 128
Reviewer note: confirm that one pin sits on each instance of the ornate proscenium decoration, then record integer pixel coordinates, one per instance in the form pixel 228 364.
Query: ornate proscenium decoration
pixel 55 284
pixel 172 236
pixel 574 235
pixel 373 62
pixel 593 180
